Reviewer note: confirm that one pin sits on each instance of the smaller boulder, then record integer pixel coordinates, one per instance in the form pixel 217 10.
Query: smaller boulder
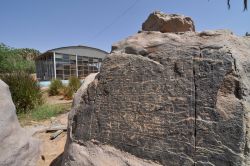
pixel 158 21
pixel 17 147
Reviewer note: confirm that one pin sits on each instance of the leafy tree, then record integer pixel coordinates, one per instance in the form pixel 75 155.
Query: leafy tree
pixel 13 60
pixel 28 53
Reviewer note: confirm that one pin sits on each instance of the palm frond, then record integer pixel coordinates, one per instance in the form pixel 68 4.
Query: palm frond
pixel 228 4
pixel 245 4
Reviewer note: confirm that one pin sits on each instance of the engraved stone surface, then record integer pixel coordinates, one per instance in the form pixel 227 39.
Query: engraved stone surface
pixel 177 99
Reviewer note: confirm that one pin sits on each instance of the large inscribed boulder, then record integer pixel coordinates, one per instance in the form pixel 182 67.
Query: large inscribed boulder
pixel 175 99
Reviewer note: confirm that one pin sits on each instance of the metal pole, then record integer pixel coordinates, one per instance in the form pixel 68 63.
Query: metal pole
pixel 54 59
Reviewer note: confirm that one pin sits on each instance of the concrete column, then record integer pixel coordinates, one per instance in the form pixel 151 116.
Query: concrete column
pixel 76 66
pixel 54 60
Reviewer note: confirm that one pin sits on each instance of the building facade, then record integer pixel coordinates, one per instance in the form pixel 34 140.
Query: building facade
pixel 65 62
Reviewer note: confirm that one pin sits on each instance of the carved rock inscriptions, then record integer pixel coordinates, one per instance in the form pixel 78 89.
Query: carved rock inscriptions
pixel 178 99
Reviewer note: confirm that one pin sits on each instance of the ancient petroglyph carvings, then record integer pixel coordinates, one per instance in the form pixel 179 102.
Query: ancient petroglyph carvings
pixel 179 104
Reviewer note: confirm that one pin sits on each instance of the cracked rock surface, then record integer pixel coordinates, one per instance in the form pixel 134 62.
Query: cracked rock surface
pixel 175 99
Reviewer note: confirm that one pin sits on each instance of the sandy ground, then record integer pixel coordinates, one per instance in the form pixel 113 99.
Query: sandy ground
pixel 51 149
pixel 54 99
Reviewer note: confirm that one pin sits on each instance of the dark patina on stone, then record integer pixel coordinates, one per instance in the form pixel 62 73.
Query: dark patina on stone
pixel 180 103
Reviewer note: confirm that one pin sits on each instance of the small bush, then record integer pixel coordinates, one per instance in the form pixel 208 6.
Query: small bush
pixel 55 87
pixel 74 83
pixel 68 93
pixel 73 86
pixel 25 91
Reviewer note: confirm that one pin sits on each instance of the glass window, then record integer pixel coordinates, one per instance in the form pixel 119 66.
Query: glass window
pixel 80 73
pixel 79 62
pixel 66 67
pixel 59 66
pixel 66 77
pixel 79 58
pixel 65 57
pixel 85 59
pixel 95 60
pixel 90 60
pixel 59 56
pixel 72 57
pixel 86 68
pixel 72 61
pixel 73 72
pixel 66 72
pixel 59 76
pixel 73 66
pixel 59 71
pixel 86 71
pixel 80 67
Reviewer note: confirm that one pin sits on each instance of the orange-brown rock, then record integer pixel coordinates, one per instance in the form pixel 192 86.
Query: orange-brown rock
pixel 158 21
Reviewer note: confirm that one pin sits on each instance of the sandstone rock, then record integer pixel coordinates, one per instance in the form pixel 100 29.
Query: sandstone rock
pixel 177 99
pixel 158 21
pixel 17 147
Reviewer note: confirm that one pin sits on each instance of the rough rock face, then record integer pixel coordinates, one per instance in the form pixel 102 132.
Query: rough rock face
pixel 92 152
pixel 17 148
pixel 177 99
pixel 158 21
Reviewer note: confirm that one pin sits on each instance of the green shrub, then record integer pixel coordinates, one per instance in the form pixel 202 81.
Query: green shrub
pixel 73 86
pixel 25 91
pixel 74 83
pixel 68 93
pixel 55 87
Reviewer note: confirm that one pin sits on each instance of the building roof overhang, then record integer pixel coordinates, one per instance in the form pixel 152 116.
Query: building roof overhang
pixel 49 52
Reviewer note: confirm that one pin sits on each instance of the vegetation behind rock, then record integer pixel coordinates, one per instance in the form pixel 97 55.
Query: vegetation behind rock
pixel 25 91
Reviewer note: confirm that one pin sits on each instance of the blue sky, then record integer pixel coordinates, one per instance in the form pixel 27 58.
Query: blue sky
pixel 47 24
